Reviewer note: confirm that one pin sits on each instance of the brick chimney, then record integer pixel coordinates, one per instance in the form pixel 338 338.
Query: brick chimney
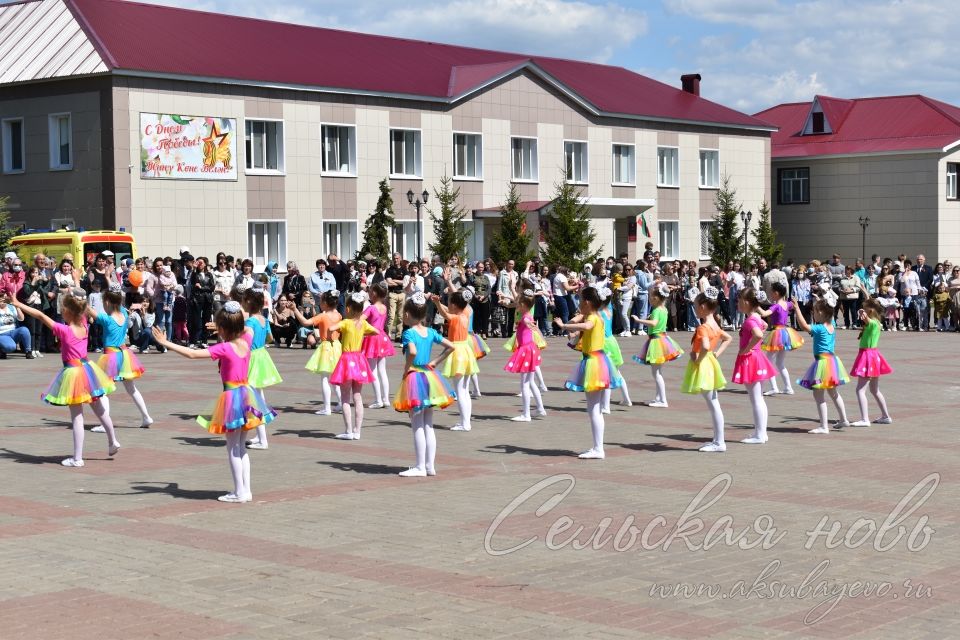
pixel 691 83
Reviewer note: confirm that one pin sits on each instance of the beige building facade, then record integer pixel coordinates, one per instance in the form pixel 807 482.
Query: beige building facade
pixel 308 163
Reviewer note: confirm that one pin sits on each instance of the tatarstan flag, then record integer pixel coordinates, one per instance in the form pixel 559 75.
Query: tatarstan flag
pixel 642 226
pixel 523 228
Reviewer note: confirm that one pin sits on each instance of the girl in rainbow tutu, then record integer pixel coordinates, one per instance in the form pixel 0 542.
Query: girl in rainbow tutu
pixel 263 373
pixel 827 372
pixel 659 348
pixel 240 407
pixel 870 364
pixel 703 374
pixel 422 389
pixel 782 337
pixel 80 381
pixel 595 373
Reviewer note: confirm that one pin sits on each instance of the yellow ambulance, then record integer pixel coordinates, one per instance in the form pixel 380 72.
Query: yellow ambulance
pixel 84 245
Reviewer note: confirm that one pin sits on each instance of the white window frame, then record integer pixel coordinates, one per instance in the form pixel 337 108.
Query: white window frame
pixel 418 154
pixel 708 224
pixel 352 171
pixel 281 149
pixel 633 165
pixel 951 180
pixel 711 181
pixel 403 237
pixel 661 166
pixel 798 180
pixel 53 130
pixel 534 161
pixel 339 250
pixel 283 241
pixel 478 160
pixel 8 145
pixel 675 236
pixel 585 163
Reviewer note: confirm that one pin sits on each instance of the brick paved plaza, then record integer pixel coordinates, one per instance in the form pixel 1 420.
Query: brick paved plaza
pixel 335 545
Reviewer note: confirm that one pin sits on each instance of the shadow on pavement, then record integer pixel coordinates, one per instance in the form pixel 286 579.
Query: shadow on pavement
pixel 363 467
pixel 172 489
pixel 510 448
pixel 26 458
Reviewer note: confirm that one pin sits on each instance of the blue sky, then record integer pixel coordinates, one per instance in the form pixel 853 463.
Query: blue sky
pixel 752 53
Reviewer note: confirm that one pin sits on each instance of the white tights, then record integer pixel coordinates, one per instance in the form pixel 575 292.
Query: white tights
pixel 539 376
pixel 464 401
pixel 759 406
pixel 819 396
pixel 779 362
pixel 239 462
pixel 352 403
pixel 137 397
pixel 658 380
pixel 262 429
pixel 594 402
pixel 624 392
pixel 716 415
pixel 528 388
pixel 102 411
pixel 325 388
pixel 862 398
pixel 381 383
pixel 424 439
pixel 475 380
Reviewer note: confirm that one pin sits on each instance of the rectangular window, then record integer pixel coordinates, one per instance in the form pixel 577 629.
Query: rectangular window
pixel 467 156
pixel 668 167
pixel 340 238
pixel 404 238
pixel 794 186
pixel 951 180
pixel 624 164
pixel 706 242
pixel 525 167
pixel 709 168
pixel 669 239
pixel 575 161
pixel 267 242
pixel 14 156
pixel 339 149
pixel 405 153
pixel 264 146
pixel 61 141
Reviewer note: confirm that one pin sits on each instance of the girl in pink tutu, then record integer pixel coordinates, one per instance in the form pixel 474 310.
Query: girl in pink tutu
pixel 352 370
pixel 240 407
pixel 526 357
pixel 870 364
pixel 827 372
pixel 80 381
pixel 752 367
pixel 378 347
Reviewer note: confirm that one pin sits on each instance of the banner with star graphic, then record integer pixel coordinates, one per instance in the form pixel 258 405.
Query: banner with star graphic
pixel 175 147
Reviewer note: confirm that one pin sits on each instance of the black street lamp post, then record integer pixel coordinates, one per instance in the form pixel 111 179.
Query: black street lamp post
pixel 745 218
pixel 418 203
pixel 864 223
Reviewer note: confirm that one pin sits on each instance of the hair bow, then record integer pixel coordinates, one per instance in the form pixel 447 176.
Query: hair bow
pixel 334 293
pixel 603 292
pixel 241 287
pixel 528 293
pixel 467 294
pixel 664 289
pixel 232 307
pixel 711 293
pixel 115 287
pixel 761 295
pixel 418 299
pixel 359 296
pixel 78 293
pixel 692 293
pixel 257 286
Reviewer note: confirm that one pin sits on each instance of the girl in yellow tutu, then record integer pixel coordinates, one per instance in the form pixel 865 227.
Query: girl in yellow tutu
pixel 462 363
pixel 703 374
pixel 239 408
pixel 80 381
pixel 352 370
pixel 327 354
pixel 422 388
pixel 660 347
pixel 263 373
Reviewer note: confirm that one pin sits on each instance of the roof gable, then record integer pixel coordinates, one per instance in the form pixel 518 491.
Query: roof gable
pixel 43 40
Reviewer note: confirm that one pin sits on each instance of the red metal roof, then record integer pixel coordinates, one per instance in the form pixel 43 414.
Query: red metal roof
pixel 145 38
pixel 864 125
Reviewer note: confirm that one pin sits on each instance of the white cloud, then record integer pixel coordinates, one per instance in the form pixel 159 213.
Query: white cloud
pixel 563 28
pixel 779 51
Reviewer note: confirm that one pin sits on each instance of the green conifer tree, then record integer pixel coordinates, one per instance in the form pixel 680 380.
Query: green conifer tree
pixel 569 234
pixel 450 235
pixel 376 230
pixel 725 239
pixel 765 243
pixel 512 240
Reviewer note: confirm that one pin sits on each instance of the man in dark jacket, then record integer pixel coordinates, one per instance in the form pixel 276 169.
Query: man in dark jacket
pixel 201 303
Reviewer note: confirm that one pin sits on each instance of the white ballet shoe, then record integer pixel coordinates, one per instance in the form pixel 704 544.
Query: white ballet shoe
pixel 376 405
pixel 260 446
pixel 626 403
pixel 819 430
pixel 113 449
pixel 231 497
pixel 252 442
pixel 542 413
pixel 413 472
pixel 753 440
pixel 771 392
pixel 789 392
pixel 658 405
pixel 145 424
pixel 887 420
pixel 459 427
pixel 431 471
pixel 712 447
pixel 98 429
pixel 840 424
pixel 860 423
pixel 592 454
pixel 323 412
pixel 543 388
pixel 71 462
pixel 356 435
pixel 344 436
pixel 520 419
pixel 605 411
